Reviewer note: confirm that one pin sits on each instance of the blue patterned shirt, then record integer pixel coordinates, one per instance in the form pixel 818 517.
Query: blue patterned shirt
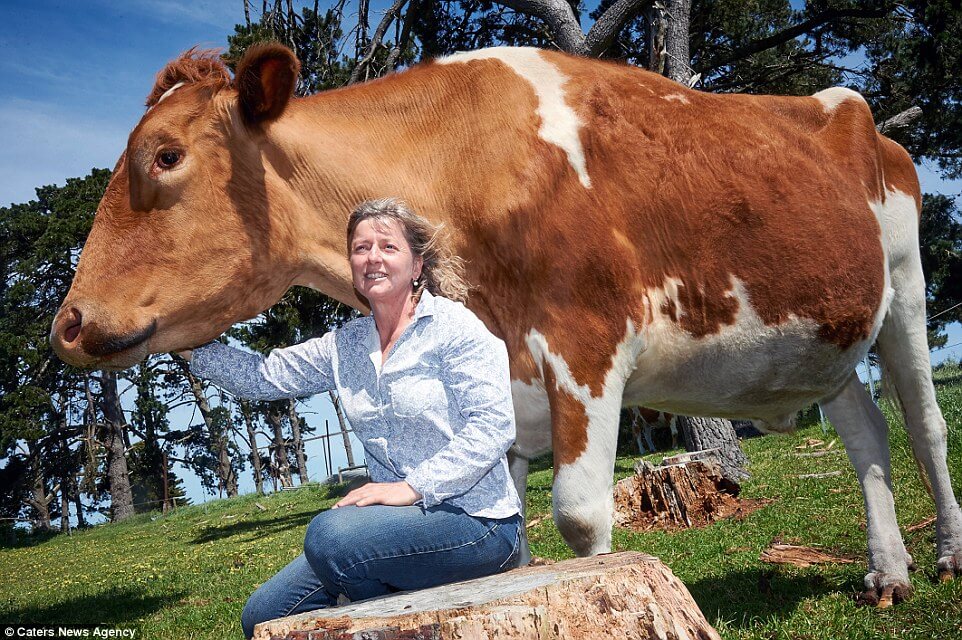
pixel 437 414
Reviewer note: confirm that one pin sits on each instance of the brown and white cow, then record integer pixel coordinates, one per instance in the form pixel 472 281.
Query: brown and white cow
pixel 634 242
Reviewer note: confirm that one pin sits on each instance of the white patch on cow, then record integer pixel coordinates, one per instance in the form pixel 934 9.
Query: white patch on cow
pixel 168 92
pixel 559 123
pixel 582 491
pixel 677 97
pixel 746 370
pixel 532 416
pixel 831 98
pixel 899 234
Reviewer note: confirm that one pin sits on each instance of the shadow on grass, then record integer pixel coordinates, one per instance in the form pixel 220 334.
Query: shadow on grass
pixel 540 463
pixel 18 539
pixel 744 597
pixel 117 606
pixel 258 528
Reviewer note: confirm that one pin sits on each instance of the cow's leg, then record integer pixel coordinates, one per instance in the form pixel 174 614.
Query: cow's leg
pixel 584 441
pixel 903 346
pixel 518 466
pixel 648 431
pixel 864 431
pixel 636 430
pixel 533 418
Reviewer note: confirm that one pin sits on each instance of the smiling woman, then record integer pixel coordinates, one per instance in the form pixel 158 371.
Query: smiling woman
pixel 426 388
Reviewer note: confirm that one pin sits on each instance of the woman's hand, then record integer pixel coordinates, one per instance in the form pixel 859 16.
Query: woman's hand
pixel 393 494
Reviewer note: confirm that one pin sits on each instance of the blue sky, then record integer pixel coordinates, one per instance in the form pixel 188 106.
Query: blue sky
pixel 74 78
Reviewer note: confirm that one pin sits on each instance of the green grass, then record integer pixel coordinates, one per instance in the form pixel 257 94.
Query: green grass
pixel 187 574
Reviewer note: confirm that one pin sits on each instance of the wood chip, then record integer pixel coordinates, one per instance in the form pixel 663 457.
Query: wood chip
pixel 260 506
pixel 817 454
pixel 799 556
pixel 827 474
pixel 811 443
pixel 920 525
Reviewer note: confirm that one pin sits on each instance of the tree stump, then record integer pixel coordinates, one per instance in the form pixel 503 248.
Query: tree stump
pixel 687 490
pixel 621 595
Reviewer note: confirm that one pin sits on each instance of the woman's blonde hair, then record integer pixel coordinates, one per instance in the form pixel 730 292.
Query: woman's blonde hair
pixel 442 272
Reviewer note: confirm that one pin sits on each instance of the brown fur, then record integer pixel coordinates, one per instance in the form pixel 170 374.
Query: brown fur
pixel 194 66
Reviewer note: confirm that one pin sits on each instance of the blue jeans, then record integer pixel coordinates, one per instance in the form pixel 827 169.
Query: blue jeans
pixel 364 552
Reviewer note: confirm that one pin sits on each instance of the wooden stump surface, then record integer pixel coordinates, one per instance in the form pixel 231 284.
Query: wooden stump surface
pixel 621 595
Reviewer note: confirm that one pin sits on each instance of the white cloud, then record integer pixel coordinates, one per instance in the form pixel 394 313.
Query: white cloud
pixel 217 13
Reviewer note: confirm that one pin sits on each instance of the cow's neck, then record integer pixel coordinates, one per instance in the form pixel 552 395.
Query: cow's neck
pixel 329 153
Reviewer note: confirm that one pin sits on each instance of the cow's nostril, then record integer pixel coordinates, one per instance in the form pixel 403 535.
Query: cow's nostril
pixel 73 322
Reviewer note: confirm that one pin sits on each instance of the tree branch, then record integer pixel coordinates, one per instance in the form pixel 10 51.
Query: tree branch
pixel 606 28
pixel 783 36
pixel 900 120
pixel 560 18
pixel 376 41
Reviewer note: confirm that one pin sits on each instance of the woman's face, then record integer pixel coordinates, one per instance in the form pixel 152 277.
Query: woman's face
pixel 382 263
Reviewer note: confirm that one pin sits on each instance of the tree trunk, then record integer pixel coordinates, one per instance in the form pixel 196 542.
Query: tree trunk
pixel 621 595
pixel 78 503
pixel 282 468
pixel 38 498
pixel 154 456
pixel 655 15
pixel 118 478
pixel 218 437
pixel 715 433
pixel 677 47
pixel 252 438
pixel 66 476
pixel 297 442
pixel 64 508
pixel 342 421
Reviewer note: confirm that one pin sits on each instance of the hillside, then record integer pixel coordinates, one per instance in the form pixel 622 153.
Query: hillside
pixel 187 574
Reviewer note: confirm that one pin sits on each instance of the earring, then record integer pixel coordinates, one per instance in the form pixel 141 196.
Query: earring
pixel 416 282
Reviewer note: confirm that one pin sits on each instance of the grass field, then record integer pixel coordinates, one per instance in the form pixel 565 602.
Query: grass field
pixel 187 574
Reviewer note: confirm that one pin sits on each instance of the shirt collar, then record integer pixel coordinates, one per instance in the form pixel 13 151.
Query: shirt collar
pixel 425 305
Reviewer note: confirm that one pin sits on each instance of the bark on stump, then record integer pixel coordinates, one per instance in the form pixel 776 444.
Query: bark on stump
pixel 621 595
pixel 687 490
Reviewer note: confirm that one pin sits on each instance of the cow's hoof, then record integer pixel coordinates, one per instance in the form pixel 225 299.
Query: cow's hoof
pixel 885 591
pixel 950 567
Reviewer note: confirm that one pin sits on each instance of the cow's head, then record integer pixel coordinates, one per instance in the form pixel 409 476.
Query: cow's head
pixel 181 245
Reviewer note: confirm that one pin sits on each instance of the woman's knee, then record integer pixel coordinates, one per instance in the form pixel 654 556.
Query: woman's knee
pixel 324 541
pixel 257 610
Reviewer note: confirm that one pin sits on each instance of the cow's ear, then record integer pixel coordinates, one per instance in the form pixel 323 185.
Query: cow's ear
pixel 265 81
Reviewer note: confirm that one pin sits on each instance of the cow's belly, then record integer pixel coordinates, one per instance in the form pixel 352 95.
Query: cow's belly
pixel 747 370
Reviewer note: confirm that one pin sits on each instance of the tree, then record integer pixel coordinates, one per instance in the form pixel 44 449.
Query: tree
pixel 258 462
pixel 940 237
pixel 40 241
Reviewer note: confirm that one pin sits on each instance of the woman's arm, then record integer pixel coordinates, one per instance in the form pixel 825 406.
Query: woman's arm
pixel 294 372
pixel 476 372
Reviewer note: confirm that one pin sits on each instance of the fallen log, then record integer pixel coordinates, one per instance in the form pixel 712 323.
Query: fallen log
pixel 620 595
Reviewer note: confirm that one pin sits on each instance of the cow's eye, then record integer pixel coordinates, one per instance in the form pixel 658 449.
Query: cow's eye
pixel 168 158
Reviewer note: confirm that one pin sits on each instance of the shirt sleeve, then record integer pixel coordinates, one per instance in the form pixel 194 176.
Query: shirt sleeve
pixel 476 372
pixel 294 372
